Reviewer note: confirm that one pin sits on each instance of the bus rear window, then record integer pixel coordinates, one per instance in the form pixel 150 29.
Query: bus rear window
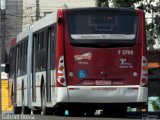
pixel 102 26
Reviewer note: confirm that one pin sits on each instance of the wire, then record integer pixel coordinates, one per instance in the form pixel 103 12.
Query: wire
pixel 12 15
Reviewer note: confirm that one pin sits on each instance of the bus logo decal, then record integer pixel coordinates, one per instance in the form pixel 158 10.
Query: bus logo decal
pixel 82 74
pixel 86 56
pixel 125 64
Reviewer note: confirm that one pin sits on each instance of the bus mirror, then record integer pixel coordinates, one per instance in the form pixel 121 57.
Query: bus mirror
pixel 7 68
pixel 60 20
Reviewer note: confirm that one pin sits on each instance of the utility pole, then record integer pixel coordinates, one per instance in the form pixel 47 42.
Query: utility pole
pixel 3 36
pixel 37 10
pixel 2 43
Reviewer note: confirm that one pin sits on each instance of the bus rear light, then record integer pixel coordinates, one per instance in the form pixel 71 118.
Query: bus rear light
pixel 61 79
pixel 60 74
pixel 144 72
pixel 61 68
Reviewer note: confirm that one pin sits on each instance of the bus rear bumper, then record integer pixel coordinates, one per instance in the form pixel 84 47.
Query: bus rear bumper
pixel 103 94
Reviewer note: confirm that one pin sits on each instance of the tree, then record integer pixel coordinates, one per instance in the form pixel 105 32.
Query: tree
pixel 116 3
pixel 124 3
pixel 102 3
pixel 153 28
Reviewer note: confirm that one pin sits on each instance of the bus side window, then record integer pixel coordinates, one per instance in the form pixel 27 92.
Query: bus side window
pixel 18 59
pixel 21 57
pixel 25 55
pixel 10 60
pixel 42 52
pixel 12 63
pixel 42 40
pixel 52 37
pixel 38 41
pixel 37 48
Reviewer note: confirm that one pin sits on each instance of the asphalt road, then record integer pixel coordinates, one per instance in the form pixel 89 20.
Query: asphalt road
pixel 52 117
pixel 141 116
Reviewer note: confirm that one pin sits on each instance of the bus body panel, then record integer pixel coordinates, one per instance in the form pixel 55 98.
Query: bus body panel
pixel 103 66
pixel 108 94
pixel 21 83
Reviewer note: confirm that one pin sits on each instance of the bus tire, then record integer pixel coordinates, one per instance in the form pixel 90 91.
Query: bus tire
pixel 90 112
pixel 59 112
pixel 76 112
pixel 37 111
pixel 59 109
pixel 116 111
pixel 17 110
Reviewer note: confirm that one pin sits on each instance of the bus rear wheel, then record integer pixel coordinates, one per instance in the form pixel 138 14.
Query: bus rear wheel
pixel 17 110
pixel 115 111
pixel 37 111
pixel 59 111
pixel 78 112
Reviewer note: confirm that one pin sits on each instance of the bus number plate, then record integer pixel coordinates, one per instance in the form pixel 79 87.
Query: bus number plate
pixel 103 82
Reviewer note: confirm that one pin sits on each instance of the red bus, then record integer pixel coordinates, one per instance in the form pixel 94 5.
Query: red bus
pixel 90 57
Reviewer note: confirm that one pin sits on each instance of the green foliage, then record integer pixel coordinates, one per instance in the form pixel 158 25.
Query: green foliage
pixel 102 3
pixel 154 31
pixel 155 105
pixel 150 34
pixel 157 27
pixel 124 3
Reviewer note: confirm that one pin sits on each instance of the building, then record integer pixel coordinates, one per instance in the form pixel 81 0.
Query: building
pixel 14 16
pixel 12 22
pixel 36 9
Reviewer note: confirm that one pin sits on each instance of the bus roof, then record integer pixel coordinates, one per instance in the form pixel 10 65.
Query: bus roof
pixel 46 21
pixel 22 35
pixel 97 9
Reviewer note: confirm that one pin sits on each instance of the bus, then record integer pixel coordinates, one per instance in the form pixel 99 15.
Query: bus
pixel 81 60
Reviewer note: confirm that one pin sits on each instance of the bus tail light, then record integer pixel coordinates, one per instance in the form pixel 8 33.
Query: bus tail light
pixel 61 79
pixel 144 72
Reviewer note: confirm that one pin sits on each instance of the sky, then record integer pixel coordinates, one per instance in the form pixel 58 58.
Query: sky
pixel 48 4
pixel 70 3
